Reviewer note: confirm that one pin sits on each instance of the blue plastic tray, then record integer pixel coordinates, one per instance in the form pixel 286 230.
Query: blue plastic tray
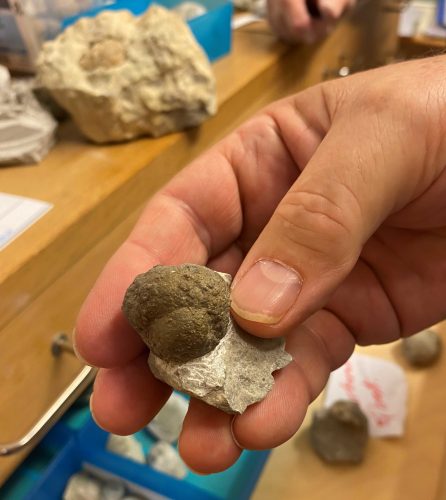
pixel 76 440
pixel 212 30
pixel 72 449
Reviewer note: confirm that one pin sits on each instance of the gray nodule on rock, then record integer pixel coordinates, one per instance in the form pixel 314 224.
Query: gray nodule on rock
pixel 423 348
pixel 212 359
pixel 122 77
pixel 339 434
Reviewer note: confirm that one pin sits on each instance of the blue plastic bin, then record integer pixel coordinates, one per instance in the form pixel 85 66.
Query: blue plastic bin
pixel 88 447
pixel 212 30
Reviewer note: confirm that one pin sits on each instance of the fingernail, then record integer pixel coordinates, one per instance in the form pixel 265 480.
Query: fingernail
pixel 76 352
pixel 266 292
pixel 233 433
pixel 91 410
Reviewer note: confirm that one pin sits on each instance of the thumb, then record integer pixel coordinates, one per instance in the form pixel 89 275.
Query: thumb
pixel 316 233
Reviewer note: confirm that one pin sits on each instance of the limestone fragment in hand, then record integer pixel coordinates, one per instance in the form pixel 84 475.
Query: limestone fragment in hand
pixel 183 315
pixel 121 77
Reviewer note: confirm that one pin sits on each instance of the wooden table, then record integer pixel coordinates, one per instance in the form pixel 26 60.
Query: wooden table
pixel 98 191
pixel 409 468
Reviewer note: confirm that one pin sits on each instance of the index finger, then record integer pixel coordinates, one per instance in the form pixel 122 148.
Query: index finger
pixel 175 227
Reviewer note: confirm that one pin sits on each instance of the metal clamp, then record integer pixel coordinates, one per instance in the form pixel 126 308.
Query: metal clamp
pixel 59 345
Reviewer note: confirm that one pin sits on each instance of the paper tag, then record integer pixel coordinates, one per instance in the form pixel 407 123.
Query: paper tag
pixel 17 214
pixel 378 386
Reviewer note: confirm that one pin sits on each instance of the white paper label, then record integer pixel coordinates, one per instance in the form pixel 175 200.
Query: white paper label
pixel 378 386
pixel 17 214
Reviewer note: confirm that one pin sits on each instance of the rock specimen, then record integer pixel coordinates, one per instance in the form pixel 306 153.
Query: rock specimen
pixel 422 349
pixel 82 487
pixel 182 314
pixel 168 423
pixel 126 446
pixel 121 76
pixel 112 490
pixel 190 10
pixel 26 128
pixel 165 458
pixel 339 434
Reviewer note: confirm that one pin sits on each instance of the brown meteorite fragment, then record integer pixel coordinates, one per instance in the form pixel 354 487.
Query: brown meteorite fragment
pixel 180 312
pixel 422 349
pixel 339 434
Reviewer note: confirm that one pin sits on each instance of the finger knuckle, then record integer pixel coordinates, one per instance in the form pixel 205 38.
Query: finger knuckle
pixel 312 219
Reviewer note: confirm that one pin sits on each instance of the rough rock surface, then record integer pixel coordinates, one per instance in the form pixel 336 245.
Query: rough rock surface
pixel 121 76
pixel 165 458
pixel 168 422
pixel 82 487
pixel 198 349
pixel 422 349
pixel 181 312
pixel 126 446
pixel 339 434
pixel 236 374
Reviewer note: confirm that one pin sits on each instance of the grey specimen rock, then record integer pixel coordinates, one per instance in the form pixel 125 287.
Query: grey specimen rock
pixel 112 490
pixel 213 359
pixel 121 76
pixel 422 349
pixel 339 434
pixel 26 128
pixel 168 422
pixel 126 446
pixel 82 487
pixel 190 10
pixel 165 458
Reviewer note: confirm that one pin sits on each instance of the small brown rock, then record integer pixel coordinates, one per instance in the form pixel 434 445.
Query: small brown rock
pixel 339 434
pixel 180 312
pixel 422 349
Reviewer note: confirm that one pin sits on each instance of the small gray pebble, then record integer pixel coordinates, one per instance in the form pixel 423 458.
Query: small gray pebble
pixel 112 490
pixel 82 487
pixel 422 349
pixel 168 423
pixel 164 458
pixel 126 446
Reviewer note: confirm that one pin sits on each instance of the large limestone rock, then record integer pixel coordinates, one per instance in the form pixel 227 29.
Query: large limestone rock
pixel 121 76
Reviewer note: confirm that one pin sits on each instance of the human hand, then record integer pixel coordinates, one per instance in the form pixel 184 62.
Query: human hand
pixel 329 207
pixel 303 21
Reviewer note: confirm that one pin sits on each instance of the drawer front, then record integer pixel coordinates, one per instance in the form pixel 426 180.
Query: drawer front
pixel 32 378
